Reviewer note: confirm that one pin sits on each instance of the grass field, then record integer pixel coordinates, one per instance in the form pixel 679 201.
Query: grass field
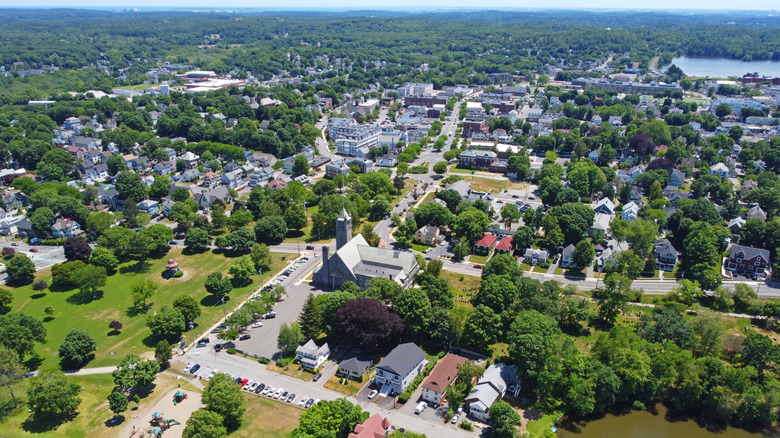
pixel 268 419
pixel 473 258
pixel 350 387
pixel 455 169
pixel 73 310
pixel 292 370
pixel 140 87
pixel 492 185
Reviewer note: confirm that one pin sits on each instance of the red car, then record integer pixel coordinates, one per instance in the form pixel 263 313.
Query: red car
pixel 243 381
pixel 33 250
pixel 478 266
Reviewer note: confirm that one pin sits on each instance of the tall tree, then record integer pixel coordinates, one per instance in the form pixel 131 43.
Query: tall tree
pixel 310 318
pixel 51 395
pixel 224 397
pixel 11 371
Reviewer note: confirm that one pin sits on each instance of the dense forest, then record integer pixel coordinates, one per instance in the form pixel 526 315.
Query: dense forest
pixel 390 48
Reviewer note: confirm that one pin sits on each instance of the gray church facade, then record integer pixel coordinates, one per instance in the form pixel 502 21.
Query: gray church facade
pixel 356 261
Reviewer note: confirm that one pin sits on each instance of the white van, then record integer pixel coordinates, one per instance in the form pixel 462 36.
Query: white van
pixel 420 407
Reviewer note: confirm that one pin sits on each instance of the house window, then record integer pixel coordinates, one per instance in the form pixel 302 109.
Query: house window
pixel 758 262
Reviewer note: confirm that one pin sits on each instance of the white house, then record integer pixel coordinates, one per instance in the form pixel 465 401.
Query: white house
pixel 721 170
pixel 65 228
pixel 490 388
pixel 630 211
pixel 566 256
pixel 399 368
pixel 311 356
pixel 605 206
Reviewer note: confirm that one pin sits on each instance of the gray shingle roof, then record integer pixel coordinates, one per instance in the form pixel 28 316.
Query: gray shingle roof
pixel 402 359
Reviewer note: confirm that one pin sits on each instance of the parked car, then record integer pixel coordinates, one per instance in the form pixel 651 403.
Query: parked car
pixel 237 380
pixel 244 382
pixel 268 390
pixel 420 407
pixel 259 388
pixel 201 344
pixel 283 395
pixel 270 315
pixel 309 246
pixel 303 401
pixel 372 394
pixel 278 392
pixel 478 266
pixel 194 368
pixel 187 367
pixel 245 337
pixel 257 324
pixel 317 377
pixel 309 403
pixel 34 250
pixel 290 398
pixel 14 244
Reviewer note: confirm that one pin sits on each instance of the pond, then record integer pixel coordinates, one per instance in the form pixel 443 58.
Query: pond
pixel 645 424
pixel 723 68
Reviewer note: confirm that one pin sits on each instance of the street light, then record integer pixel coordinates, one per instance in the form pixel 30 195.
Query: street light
pixel 223 307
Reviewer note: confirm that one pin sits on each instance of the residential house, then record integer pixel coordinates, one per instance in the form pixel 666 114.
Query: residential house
pixel 14 199
pixel 748 185
pixel 24 229
pixel 260 176
pixel 476 158
pixel 164 168
pixel 355 366
pixel 535 256
pixel 490 388
pixel 149 207
pixel 485 244
pixel 211 178
pixel 600 224
pixel 435 386
pixel 206 199
pixel 399 368
pixel 735 225
pixel 755 212
pixel 190 160
pixel 95 155
pixel 605 206
pixel 277 184
pixel 566 256
pixel 63 228
pixel 428 235
pixel 375 426
pixel 86 143
pixel 171 153
pixel 665 255
pixel 231 179
pixel 311 356
pixel 747 260
pixel 629 175
pixel 630 211
pixel 594 155
pixel 166 206
pixel 677 179
pixel 720 169
pixel 190 175
pixel 678 195
pixel 504 246
pixel 387 161
pixel 636 194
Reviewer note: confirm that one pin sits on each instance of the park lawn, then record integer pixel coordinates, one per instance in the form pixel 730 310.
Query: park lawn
pixel 267 418
pixel 455 169
pixel 537 428
pixel 140 87
pixel 304 235
pixel 349 387
pixel 420 247
pixel 473 258
pixel 492 185
pixel 459 283
pixel 93 315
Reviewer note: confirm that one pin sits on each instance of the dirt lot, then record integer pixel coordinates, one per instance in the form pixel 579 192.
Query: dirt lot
pixel 181 412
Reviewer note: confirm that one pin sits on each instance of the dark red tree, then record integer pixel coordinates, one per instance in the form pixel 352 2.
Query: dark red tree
pixel 370 324
pixel 77 248
pixel 641 143
pixel 115 325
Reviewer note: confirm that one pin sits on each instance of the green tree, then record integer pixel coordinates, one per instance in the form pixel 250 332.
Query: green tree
pixel 300 165
pixel 510 214
pixel 163 353
pixel 6 298
pixel 115 164
pixel 11 371
pixel 168 323
pixel 224 397
pixel 415 310
pixel 310 319
pixel 329 419
pixel 130 186
pixel 471 224
pixel 98 222
pixel 20 269
pixel 242 268
pixel 51 395
pixel 440 168
pixel 290 336
pixel 160 187
pixel 19 333
pixel 295 218
pixel 218 285
pixel 41 220
pixel 238 219
pixel 656 191
pixel 189 308
pixel 583 254
pixel 270 229
pixel 614 296
pixel 205 424
pixel 89 278
pixel 132 372
pixel 117 402
pixel 104 258
pixel 77 348
pixel 482 327
pixel 197 240
pixel 722 110
pixel 261 256
pixel 141 291
pixel 505 418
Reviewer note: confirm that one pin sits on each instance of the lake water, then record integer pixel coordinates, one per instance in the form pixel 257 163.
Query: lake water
pixel 644 424
pixel 723 68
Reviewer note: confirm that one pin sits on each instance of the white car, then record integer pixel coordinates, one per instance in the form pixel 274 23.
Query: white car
pixel 278 392
pixel 250 385
pixel 372 394
pixel 211 374
pixel 257 324
pixel 267 390
pixel 187 368
pixel 303 401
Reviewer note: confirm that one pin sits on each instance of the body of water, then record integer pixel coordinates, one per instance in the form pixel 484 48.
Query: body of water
pixel 723 68
pixel 644 424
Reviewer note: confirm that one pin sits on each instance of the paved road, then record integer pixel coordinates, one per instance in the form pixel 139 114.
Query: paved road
pixel 44 257
pixel 250 369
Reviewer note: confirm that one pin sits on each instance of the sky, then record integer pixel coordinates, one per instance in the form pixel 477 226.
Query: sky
pixel 395 4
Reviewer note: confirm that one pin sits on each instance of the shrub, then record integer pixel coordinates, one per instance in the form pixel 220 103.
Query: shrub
pixel 466 425
pixel 178 274
pixel 403 398
pixel 230 351
pixel 264 361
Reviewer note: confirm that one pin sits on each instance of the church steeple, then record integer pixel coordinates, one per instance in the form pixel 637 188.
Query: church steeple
pixel 343 228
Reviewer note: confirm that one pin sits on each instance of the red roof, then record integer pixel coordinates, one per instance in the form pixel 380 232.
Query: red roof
pixel 505 244
pixel 373 427
pixel 444 373
pixel 487 240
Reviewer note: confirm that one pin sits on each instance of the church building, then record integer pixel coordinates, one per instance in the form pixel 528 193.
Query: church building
pixel 355 260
